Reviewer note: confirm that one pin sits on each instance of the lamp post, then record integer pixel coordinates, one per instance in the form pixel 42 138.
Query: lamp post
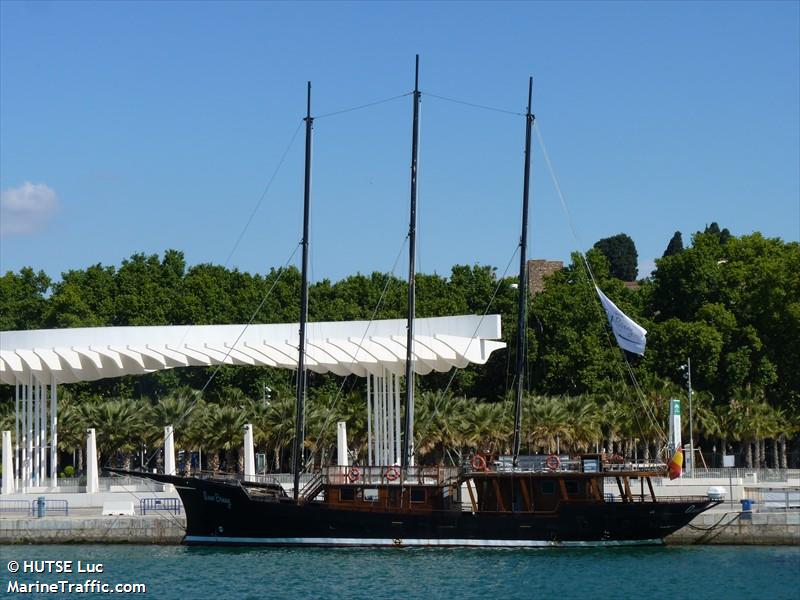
pixel 688 367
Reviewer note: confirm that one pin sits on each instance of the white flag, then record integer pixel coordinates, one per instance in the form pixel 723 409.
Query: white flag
pixel 630 335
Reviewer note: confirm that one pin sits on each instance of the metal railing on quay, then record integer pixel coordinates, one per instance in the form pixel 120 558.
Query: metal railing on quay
pixel 172 505
pixel 15 507
pixel 768 499
pixel 51 506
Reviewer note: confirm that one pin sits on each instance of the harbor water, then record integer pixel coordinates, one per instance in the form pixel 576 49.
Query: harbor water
pixel 173 572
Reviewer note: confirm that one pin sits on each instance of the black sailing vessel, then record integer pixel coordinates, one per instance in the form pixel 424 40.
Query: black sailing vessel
pixel 484 503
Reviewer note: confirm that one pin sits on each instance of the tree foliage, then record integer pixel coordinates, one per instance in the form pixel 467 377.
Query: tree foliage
pixel 622 256
pixel 675 245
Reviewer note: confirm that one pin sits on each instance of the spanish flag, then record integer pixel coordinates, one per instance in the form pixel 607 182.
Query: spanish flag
pixel 675 465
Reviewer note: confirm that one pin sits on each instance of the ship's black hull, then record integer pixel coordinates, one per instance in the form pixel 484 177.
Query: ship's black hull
pixel 222 513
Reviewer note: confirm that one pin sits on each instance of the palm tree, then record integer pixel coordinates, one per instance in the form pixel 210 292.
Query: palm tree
pixel 548 422
pixel 278 428
pixel 120 426
pixel 582 421
pixel 176 410
pixel 224 425
pixel 439 429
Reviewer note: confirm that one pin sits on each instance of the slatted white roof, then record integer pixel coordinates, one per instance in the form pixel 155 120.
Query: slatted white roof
pixel 343 348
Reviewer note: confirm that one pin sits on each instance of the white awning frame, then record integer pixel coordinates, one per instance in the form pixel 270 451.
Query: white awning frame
pixel 343 348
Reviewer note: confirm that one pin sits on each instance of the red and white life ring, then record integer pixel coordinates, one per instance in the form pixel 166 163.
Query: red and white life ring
pixel 392 473
pixel 353 474
pixel 478 462
pixel 552 462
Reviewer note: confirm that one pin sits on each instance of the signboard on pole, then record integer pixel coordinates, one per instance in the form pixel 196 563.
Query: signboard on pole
pixel 674 424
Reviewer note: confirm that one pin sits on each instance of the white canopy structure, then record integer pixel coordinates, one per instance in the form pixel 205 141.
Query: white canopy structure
pixel 35 362
pixel 343 348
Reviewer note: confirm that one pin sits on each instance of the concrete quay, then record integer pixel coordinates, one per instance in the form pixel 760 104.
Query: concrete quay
pixel 85 526
pixel 732 527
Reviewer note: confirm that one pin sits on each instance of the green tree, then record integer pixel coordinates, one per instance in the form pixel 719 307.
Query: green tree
pixel 675 245
pixel 621 253
pixel 22 299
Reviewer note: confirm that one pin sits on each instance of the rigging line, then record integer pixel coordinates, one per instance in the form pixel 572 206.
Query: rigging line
pixel 588 268
pixel 326 422
pixel 474 105
pixel 281 271
pixel 483 316
pixel 360 106
pixel 168 516
pixel 263 193
pixel 254 211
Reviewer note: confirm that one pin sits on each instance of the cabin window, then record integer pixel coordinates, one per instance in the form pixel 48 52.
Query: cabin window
pixel 347 494
pixel 573 489
pixel 417 495
pixel 370 494
pixel 548 488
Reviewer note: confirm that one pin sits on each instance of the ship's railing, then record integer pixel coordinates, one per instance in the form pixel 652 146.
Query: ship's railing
pixel 271 478
pixel 564 464
pixel 637 497
pixel 389 474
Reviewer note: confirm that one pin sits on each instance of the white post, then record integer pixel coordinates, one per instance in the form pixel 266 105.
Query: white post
pixel 169 451
pixel 385 416
pixel 92 476
pixel 29 410
pixel 42 433
pixel 23 465
pixel 249 454
pixel 17 425
pixel 53 433
pixel 341 444
pixel 397 435
pixel 369 424
pixel 8 465
pixel 35 433
pixel 378 421
pixel 387 378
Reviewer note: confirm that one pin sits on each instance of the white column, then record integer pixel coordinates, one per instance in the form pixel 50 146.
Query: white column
pixel 17 428
pixel 341 444
pixel 35 433
pixel 397 435
pixel 378 421
pixel 42 433
pixel 8 465
pixel 92 476
pixel 53 433
pixel 169 450
pixel 23 465
pixel 29 409
pixel 369 425
pixel 249 454
pixel 387 378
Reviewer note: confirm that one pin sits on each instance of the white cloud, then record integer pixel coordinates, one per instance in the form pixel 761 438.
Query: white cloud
pixel 27 208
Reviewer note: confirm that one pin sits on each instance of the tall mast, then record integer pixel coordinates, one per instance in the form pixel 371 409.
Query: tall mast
pixel 408 435
pixel 523 282
pixel 300 426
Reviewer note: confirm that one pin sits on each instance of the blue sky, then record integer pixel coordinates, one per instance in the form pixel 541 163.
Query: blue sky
pixel 137 127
